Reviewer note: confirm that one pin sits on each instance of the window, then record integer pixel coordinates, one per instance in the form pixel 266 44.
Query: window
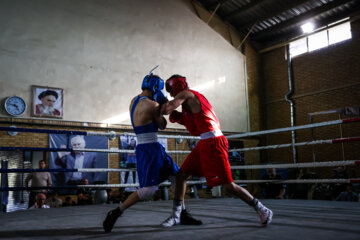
pixel 340 33
pixel 321 39
pixel 318 40
pixel 298 47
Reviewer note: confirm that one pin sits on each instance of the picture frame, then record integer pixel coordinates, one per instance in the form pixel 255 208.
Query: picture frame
pixel 47 102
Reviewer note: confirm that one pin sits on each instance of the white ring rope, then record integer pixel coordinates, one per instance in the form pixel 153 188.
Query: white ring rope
pixel 278 130
pixel 130 185
pixel 327 141
pixel 286 165
pixel 163 136
pixel 300 165
pixel 281 146
pixel 305 181
pixel 301 181
pixel 167 183
pixel 105 150
pixel 122 151
pixel 106 169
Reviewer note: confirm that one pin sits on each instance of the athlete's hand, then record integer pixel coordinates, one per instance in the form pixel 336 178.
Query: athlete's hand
pixel 176 116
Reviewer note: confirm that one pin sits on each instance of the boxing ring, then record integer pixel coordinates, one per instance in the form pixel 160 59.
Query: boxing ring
pixel 223 218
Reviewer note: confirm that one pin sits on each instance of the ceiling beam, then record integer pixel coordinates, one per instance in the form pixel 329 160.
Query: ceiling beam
pixel 285 7
pixel 213 13
pixel 243 9
pixel 213 6
pixel 299 20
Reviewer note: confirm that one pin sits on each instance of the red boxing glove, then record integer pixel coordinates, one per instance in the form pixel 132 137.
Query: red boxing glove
pixel 176 116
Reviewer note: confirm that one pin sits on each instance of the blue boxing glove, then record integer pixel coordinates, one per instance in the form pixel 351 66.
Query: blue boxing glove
pixel 160 97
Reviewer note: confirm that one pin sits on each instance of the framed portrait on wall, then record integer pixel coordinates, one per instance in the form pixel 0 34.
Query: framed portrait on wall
pixel 47 102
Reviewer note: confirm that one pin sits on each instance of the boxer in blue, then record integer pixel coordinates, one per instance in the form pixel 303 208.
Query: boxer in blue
pixel 154 165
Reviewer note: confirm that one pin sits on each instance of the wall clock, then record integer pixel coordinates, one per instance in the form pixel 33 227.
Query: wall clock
pixel 15 106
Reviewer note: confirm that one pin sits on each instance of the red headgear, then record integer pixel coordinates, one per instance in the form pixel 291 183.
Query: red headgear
pixel 176 84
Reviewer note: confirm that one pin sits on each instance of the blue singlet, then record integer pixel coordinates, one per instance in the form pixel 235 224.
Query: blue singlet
pixel 154 165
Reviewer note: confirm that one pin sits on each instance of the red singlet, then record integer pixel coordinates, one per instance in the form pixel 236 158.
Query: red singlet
pixel 210 156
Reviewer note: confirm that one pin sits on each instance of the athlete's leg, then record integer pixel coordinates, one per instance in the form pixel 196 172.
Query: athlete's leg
pixel 179 214
pixel 238 191
pixel 113 215
pixel 265 214
pixel 180 185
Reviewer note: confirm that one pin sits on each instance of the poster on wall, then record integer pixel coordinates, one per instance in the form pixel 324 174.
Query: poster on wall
pixel 77 159
pixel 47 102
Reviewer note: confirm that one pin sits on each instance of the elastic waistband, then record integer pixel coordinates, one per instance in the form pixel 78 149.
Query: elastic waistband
pixel 145 138
pixel 211 134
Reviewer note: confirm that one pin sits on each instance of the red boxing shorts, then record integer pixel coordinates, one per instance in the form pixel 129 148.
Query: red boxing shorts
pixel 210 159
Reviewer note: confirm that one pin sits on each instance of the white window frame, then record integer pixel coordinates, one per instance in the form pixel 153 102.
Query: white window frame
pixel 330 40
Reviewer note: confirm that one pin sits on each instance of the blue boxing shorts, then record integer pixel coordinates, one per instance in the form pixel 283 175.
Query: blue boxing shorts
pixel 154 165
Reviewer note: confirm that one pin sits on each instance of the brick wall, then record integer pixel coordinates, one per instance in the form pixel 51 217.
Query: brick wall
pixel 18 200
pixel 324 79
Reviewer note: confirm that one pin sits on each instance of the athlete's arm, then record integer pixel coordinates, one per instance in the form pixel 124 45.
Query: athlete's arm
pixel 159 118
pixel 179 99
pixel 131 103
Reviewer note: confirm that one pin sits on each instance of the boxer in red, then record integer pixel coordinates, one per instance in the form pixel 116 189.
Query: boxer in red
pixel 210 156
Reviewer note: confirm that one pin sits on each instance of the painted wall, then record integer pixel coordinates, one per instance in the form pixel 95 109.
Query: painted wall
pixel 99 52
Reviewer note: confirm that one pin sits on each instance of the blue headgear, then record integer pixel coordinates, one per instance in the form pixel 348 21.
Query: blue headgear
pixel 153 83
pixel 156 85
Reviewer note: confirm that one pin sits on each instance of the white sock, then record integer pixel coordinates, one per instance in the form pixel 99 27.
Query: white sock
pixel 257 204
pixel 177 207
